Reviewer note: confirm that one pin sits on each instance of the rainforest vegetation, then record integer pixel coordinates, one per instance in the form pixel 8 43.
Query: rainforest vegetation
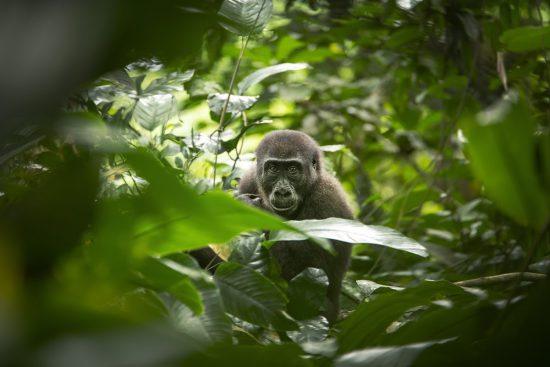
pixel 126 126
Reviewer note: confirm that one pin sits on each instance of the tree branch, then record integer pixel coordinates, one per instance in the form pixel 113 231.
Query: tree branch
pixel 501 278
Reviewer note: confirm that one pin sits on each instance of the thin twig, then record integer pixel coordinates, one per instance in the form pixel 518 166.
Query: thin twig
pixel 224 109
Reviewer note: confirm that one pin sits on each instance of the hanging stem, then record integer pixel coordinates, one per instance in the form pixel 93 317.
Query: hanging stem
pixel 224 109
pixel 231 85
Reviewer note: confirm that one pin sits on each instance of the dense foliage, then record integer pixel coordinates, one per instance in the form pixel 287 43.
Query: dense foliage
pixel 125 152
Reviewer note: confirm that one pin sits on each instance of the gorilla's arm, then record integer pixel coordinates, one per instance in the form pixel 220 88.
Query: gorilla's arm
pixel 247 184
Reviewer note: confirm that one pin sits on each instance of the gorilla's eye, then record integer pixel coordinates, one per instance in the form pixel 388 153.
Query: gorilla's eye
pixel 272 169
pixel 292 170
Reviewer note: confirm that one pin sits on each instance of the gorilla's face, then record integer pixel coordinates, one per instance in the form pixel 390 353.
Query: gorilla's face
pixel 288 166
pixel 284 182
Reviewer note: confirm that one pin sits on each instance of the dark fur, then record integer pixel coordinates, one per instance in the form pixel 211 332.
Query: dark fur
pixel 322 197
pixel 207 258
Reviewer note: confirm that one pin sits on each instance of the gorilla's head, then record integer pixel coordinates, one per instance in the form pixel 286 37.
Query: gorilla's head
pixel 288 166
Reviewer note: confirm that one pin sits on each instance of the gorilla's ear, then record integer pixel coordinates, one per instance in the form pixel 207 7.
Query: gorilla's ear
pixel 314 164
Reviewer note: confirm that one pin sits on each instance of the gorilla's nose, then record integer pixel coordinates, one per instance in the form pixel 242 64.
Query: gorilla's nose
pixel 283 193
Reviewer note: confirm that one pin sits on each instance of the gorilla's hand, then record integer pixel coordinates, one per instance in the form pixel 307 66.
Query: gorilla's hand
pixel 251 199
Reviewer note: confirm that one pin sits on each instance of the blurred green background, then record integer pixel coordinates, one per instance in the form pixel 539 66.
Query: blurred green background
pixel 120 148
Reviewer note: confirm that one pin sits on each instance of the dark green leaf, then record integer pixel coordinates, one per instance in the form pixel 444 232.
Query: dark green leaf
pixel 172 217
pixel 161 277
pixel 307 293
pixel 252 297
pixel 368 323
pixel 311 331
pixel 403 36
pixel 248 250
pixel 524 39
pixel 213 325
pixel 503 157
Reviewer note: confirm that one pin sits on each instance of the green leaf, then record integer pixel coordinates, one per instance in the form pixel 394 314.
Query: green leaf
pixel 229 145
pixel 286 45
pixel 502 153
pixel 524 39
pixel 350 231
pixel 368 287
pixel 335 148
pixel 404 36
pixel 155 110
pixel 170 216
pixel 367 325
pixel 318 54
pixel 311 331
pixel 398 356
pixel 307 293
pixel 245 16
pixel 252 297
pixel 248 250
pixel 170 83
pixel 466 317
pixel 213 325
pixel 161 277
pixel 261 74
pixel 237 104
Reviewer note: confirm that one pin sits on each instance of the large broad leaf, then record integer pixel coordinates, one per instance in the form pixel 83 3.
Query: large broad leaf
pixel 311 331
pixel 170 216
pixel 313 337
pixel 160 277
pixel 501 147
pixel 245 16
pixel 170 83
pixel 367 325
pixel 525 39
pixel 252 297
pixel 350 231
pixel 398 356
pixel 248 251
pixel 213 325
pixel 155 110
pixel 466 317
pixel 237 104
pixel 307 293
pixel 261 74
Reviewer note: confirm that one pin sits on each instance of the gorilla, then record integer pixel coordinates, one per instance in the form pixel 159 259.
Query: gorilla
pixel 289 180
